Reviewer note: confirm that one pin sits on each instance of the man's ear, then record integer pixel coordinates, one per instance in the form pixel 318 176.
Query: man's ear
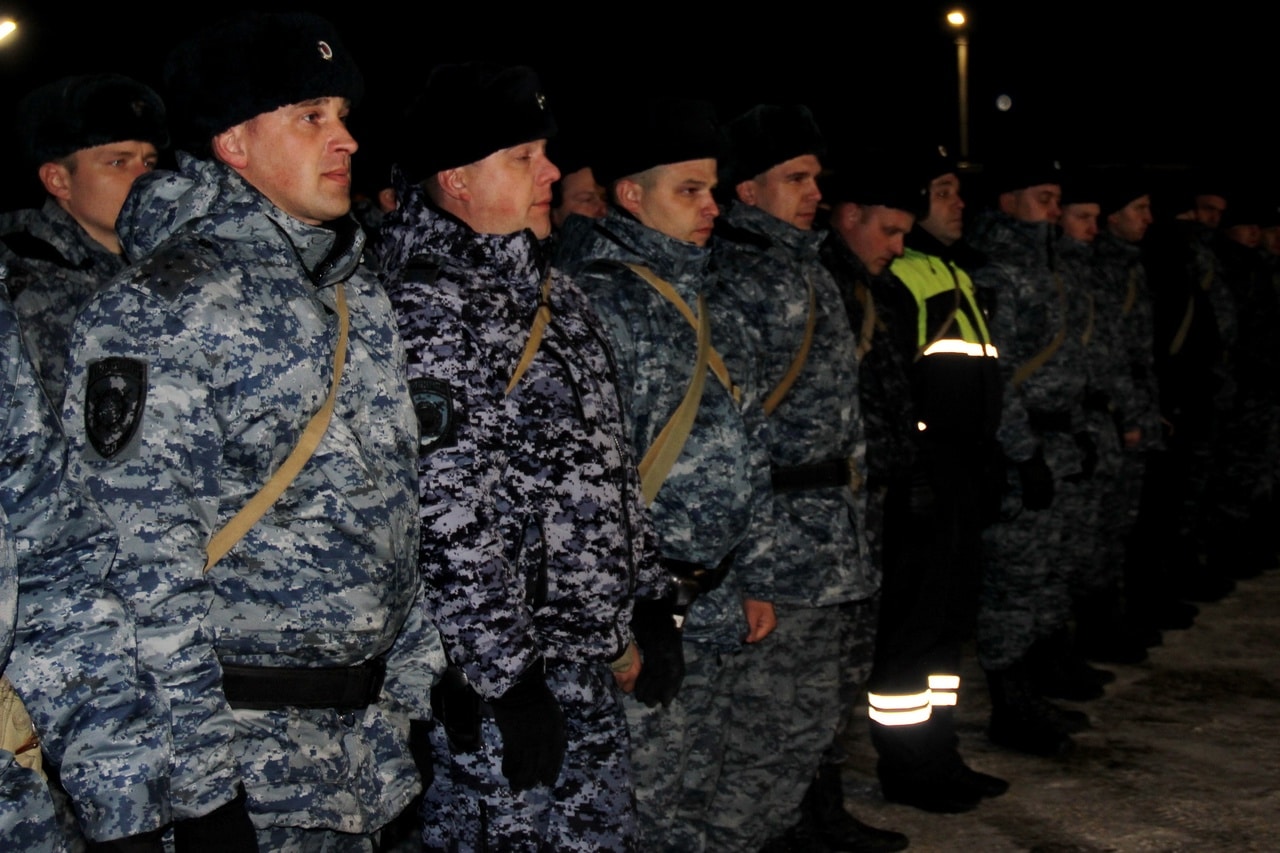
pixel 746 192
pixel 847 215
pixel 56 179
pixel 628 195
pixel 453 183
pixel 229 147
pixel 1007 203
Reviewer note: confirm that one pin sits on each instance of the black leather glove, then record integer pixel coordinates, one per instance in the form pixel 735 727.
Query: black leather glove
pixel 532 727
pixel 662 668
pixel 1037 482
pixel 226 829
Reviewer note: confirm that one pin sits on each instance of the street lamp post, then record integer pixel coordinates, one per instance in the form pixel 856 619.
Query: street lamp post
pixel 956 18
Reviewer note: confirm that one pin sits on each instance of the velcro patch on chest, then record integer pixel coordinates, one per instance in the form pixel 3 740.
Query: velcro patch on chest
pixel 115 396
pixel 433 403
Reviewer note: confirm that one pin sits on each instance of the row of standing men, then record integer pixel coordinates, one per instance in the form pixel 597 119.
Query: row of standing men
pixel 532 472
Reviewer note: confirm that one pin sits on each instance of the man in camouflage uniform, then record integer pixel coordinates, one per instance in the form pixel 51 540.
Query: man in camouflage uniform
pixel 293 666
pixel 925 448
pixel 66 641
pixel 1194 330
pixel 1036 320
pixel 1102 632
pixel 661 167
pixel 786 690
pixel 87 138
pixel 1242 544
pixel 534 536
pixel 1127 535
pixel 577 191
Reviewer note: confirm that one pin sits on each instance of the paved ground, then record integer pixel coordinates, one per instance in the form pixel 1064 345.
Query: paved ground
pixel 1184 754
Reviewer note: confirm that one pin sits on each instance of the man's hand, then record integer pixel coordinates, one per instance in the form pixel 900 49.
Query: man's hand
pixel 1132 438
pixel 761 620
pixel 626 669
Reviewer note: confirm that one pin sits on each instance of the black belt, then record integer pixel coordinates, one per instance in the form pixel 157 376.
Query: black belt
pixel 694 579
pixel 828 474
pixel 269 688
pixel 1049 421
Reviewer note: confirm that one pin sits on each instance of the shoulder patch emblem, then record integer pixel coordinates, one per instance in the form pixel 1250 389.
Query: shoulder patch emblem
pixel 433 403
pixel 115 394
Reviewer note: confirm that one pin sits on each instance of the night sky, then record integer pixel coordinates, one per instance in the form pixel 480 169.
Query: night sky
pixel 1102 83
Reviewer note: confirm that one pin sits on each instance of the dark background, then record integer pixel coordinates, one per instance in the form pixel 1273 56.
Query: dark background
pixel 1100 83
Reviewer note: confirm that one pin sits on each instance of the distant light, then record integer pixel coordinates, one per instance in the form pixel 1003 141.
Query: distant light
pixel 956 18
pixel 1004 103
pixel 7 28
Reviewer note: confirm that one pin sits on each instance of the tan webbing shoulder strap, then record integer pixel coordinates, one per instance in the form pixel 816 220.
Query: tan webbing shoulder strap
pixel 244 520
pixel 17 733
pixel 945 326
pixel 797 364
pixel 868 331
pixel 541 318
pixel 662 454
pixel 714 361
pixel 1131 297
pixel 1087 335
pixel 1041 358
pixel 1184 328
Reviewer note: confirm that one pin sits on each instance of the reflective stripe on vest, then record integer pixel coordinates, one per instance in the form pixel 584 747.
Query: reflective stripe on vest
pixel 951 345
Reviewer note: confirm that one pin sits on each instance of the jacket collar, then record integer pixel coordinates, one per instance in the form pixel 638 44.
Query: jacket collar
pixel 793 240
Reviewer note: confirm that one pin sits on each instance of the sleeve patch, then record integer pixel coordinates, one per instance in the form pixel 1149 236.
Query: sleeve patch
pixel 115 396
pixel 433 403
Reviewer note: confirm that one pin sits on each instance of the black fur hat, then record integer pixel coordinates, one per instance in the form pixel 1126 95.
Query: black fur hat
pixel 468 112
pixel 1083 186
pixel 665 131
pixel 1120 187
pixel 897 178
pixel 767 135
pixel 80 112
pixel 252 64
pixel 1023 170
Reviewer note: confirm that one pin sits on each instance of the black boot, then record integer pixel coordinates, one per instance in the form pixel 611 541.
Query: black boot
pixel 1058 672
pixel 823 809
pixel 1021 719
pixel 921 767
pixel 1195 581
pixel 984 783
pixel 1103 635
pixel 952 795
